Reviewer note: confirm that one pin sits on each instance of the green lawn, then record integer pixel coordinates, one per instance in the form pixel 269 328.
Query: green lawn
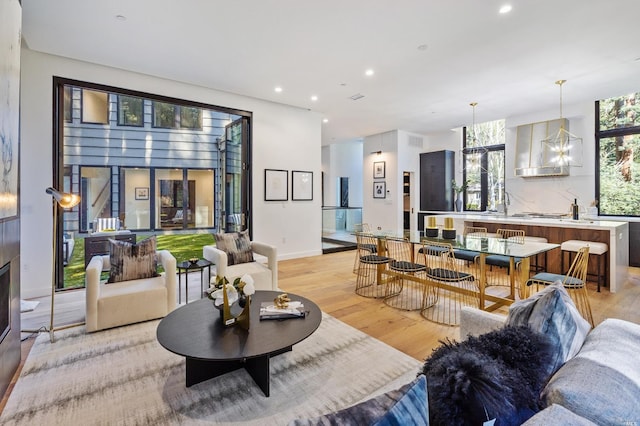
pixel 182 246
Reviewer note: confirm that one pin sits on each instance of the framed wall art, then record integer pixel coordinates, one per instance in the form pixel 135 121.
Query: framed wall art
pixel 379 189
pixel 379 169
pixel 301 185
pixel 142 193
pixel 276 185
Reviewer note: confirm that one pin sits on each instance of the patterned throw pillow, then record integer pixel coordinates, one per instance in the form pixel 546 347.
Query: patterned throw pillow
pixel 237 245
pixel 553 313
pixel 132 261
pixel 404 406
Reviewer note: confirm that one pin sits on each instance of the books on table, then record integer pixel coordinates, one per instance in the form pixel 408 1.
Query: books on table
pixel 269 311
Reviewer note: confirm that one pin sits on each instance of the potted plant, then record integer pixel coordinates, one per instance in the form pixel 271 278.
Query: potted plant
pixel 458 192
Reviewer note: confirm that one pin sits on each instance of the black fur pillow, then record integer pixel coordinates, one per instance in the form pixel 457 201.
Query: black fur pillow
pixel 498 375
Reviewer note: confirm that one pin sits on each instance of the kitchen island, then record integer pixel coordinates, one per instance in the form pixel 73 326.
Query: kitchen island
pixel 614 234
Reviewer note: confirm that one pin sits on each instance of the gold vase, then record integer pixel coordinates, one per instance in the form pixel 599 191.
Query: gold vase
pixel 243 320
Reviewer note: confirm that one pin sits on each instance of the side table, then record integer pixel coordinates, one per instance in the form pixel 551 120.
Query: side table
pixel 187 266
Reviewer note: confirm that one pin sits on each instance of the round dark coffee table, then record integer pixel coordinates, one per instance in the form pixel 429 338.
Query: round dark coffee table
pixel 196 332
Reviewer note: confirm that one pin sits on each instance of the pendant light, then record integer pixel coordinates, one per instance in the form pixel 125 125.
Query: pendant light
pixel 473 157
pixel 564 148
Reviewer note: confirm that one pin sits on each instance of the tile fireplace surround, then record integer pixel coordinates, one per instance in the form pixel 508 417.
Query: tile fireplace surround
pixel 10 295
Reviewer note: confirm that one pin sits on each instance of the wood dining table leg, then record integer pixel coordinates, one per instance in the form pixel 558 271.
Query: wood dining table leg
pixel 382 250
pixel 525 264
pixel 482 282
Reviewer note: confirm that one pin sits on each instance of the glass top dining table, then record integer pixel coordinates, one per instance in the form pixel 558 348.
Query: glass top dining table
pixel 517 251
pixel 488 245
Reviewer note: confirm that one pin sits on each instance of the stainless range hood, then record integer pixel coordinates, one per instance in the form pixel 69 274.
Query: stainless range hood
pixel 542 171
pixel 532 155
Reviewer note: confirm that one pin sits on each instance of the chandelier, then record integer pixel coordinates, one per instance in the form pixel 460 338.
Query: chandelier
pixel 474 148
pixel 564 148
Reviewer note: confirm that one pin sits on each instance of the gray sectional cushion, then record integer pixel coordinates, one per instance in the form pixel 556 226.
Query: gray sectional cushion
pixel 557 415
pixel 602 382
pixel 553 313
pixel 404 406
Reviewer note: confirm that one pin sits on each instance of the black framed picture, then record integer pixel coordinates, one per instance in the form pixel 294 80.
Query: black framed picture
pixel 142 193
pixel 276 185
pixel 379 189
pixel 379 169
pixel 301 185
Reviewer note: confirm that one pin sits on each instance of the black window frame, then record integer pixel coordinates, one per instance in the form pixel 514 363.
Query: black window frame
pixel 121 121
pixel 198 124
pixel 154 108
pixel 606 134
pixel 484 167
pixel 82 109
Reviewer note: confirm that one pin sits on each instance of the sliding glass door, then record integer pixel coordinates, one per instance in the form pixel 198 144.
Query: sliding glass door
pixel 234 164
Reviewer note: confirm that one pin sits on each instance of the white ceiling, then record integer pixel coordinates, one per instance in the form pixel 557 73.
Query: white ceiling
pixel 506 63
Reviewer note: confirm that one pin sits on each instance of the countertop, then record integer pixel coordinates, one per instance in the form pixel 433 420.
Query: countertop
pixel 585 223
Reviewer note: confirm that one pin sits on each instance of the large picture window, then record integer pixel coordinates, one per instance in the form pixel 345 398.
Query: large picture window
pixel 154 164
pixel 483 166
pixel 618 169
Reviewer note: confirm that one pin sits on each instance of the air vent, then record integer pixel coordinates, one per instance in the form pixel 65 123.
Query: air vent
pixel 356 96
pixel 415 141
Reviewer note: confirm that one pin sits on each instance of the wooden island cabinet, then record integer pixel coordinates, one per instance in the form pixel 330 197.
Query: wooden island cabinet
pixel 615 234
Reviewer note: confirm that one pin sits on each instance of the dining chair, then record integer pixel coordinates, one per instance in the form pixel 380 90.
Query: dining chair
pixel 514 236
pixel 367 282
pixel 364 249
pixel 452 288
pixel 574 281
pixel 404 293
pixel 473 232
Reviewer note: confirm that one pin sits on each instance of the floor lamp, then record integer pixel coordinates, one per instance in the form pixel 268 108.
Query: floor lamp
pixel 66 201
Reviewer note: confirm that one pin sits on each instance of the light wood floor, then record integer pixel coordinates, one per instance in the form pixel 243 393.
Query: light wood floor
pixel 329 281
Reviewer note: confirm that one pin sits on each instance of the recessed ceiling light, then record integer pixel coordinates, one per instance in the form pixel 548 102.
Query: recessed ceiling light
pixel 368 72
pixel 423 47
pixel 314 98
pixel 278 89
pixel 325 120
pixel 121 17
pixel 505 9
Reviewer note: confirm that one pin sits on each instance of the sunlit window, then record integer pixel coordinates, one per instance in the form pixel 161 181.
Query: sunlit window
pixel 617 139
pixel 483 165
pixel 95 107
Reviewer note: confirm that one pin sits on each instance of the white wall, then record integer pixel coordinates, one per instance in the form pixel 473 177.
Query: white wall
pixel 409 161
pixel 383 213
pixel 284 137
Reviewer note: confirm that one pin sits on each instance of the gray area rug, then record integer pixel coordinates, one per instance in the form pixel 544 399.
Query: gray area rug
pixel 123 376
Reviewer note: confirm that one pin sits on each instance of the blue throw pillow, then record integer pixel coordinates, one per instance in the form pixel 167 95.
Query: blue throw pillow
pixel 552 313
pixel 405 406
pixel 411 409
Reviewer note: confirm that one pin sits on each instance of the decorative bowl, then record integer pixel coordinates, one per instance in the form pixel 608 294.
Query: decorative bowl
pixel 193 260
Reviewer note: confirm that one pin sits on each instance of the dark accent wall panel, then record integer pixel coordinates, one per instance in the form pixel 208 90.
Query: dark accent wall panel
pixel 436 173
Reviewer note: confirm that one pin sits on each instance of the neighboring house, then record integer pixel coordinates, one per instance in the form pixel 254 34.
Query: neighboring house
pixel 145 162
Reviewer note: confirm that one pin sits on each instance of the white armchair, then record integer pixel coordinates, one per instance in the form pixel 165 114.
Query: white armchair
pixel 128 302
pixel 265 277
